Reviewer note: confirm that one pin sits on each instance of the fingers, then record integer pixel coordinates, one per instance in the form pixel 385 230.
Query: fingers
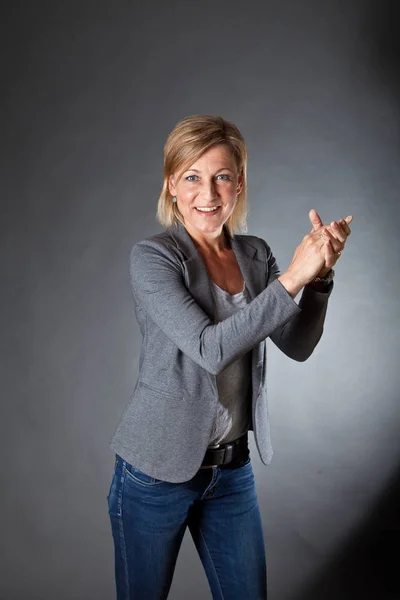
pixel 342 224
pixel 340 229
pixel 335 241
pixel 345 225
pixel 315 219
pixel 330 239
pixel 337 230
pixel 330 255
pixel 331 248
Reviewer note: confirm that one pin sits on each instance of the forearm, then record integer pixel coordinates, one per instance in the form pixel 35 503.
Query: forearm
pixel 291 285
pixel 299 336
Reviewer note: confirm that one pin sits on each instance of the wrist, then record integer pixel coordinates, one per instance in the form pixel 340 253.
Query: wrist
pixel 323 272
pixel 291 283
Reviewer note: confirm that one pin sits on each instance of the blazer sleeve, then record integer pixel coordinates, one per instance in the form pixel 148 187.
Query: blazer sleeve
pixel 158 287
pixel 298 337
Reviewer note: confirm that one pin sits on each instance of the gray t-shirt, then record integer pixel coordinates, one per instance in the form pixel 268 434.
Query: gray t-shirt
pixel 233 415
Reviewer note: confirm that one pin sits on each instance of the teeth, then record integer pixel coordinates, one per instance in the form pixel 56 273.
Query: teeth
pixel 207 209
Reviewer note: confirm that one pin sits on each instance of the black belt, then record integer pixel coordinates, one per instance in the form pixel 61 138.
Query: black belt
pixel 231 453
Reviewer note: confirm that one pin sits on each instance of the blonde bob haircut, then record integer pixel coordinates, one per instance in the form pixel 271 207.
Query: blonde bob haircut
pixel 189 139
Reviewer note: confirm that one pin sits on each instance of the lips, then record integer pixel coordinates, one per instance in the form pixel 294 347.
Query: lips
pixel 207 210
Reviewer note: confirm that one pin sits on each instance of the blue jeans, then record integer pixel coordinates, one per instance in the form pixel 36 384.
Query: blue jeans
pixel 149 518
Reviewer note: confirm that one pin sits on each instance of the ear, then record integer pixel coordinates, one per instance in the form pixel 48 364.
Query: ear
pixel 171 185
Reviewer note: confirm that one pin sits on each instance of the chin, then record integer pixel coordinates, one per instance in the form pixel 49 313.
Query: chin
pixel 205 228
pixel 209 229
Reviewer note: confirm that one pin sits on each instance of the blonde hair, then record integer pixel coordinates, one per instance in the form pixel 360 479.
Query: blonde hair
pixel 189 139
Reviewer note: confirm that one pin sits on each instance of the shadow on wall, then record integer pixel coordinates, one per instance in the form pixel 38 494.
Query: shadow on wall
pixel 367 566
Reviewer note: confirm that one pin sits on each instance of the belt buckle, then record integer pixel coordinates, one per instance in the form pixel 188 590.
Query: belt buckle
pixel 228 454
pixel 224 455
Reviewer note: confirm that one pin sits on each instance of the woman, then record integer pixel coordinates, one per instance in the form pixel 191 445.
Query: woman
pixel 206 300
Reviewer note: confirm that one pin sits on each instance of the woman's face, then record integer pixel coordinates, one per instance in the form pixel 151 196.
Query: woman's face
pixel 206 193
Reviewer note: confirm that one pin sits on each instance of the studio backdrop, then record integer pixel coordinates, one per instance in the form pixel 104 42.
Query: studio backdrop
pixel 90 91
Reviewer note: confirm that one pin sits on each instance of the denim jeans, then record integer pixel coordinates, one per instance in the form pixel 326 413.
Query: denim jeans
pixel 149 518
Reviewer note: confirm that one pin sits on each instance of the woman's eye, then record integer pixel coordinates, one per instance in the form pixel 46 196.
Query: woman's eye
pixel 220 177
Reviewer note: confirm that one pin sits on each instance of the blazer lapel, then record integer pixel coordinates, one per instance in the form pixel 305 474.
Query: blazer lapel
pixel 196 276
pixel 253 270
pixel 254 275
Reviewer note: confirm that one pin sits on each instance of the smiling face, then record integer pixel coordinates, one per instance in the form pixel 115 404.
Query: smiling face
pixel 206 192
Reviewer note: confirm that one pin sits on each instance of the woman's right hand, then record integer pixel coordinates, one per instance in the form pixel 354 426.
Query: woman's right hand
pixel 307 261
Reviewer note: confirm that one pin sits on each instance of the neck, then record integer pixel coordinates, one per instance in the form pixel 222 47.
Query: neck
pixel 215 243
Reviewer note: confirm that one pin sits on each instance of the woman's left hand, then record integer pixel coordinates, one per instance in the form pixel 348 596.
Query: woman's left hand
pixel 335 236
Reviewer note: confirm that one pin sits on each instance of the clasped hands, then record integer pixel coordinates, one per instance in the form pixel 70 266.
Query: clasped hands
pixel 334 237
pixel 317 253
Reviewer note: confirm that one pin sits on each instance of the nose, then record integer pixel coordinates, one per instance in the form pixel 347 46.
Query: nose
pixel 209 190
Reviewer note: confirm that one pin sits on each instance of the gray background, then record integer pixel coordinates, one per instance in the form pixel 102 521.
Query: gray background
pixel 90 90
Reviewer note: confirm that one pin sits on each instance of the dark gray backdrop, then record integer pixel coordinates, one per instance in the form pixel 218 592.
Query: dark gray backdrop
pixel 90 91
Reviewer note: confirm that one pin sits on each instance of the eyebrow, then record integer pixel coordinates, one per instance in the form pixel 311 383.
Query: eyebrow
pixel 222 169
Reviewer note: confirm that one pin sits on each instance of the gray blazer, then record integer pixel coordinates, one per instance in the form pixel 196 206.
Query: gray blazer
pixel 166 427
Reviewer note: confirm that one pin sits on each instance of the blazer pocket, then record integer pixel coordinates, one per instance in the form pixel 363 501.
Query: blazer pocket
pixel 155 390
